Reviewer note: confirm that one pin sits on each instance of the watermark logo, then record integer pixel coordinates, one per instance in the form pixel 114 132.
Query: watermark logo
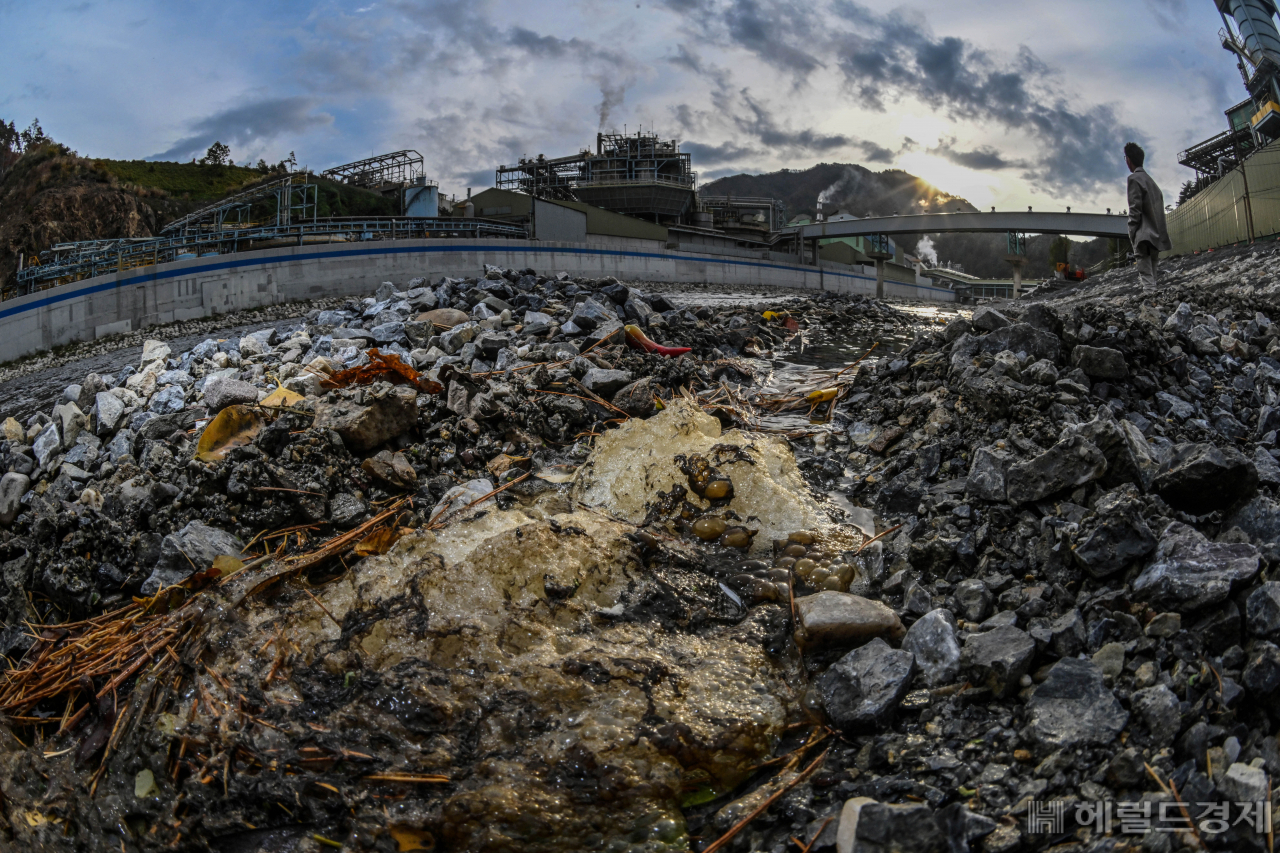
pixel 1106 817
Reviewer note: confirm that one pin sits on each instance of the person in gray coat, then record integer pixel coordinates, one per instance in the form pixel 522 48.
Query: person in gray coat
pixel 1147 229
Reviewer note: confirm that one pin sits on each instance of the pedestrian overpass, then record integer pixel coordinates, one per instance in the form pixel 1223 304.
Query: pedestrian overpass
pixel 878 230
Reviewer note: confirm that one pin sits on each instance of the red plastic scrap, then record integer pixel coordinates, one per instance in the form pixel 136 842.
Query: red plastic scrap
pixel 382 368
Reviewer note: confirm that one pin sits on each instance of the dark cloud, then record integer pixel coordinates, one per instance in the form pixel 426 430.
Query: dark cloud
pixel 777 31
pixel 712 155
pixel 243 126
pixel 873 153
pixel 982 159
pixel 758 121
pixel 884 58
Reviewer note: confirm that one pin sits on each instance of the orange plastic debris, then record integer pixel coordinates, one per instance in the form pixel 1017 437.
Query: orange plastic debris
pixel 382 368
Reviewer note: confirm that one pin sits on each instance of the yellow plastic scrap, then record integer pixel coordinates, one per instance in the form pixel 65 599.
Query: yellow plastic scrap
pixel 823 395
pixel 235 426
pixel 775 315
pixel 281 398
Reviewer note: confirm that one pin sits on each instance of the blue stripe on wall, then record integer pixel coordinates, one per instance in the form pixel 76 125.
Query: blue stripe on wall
pixel 144 278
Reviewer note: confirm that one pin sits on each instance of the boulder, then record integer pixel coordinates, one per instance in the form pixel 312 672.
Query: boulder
pixel 1070 463
pixel 1114 536
pixel 605 383
pixel 988 319
pixel 862 689
pixel 192 549
pixel 1074 707
pixel 1190 572
pixel 998 658
pixel 12 487
pixel 1201 478
pixel 381 418
pixel 833 618
pixel 1023 337
pixel 1099 362
pixel 867 826
pixel 222 391
pixel 932 640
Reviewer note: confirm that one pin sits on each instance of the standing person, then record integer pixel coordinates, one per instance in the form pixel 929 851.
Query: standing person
pixel 1147 229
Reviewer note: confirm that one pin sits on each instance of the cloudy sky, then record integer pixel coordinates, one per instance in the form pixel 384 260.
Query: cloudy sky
pixel 1006 102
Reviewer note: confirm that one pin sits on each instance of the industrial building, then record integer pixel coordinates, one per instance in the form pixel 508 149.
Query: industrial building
pixel 1237 183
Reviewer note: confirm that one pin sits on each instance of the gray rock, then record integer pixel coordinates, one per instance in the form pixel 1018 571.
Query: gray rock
pixel 221 391
pixel 380 419
pixel 1190 572
pixel 386 333
pixel 70 421
pixel 840 618
pixel 1180 320
pixel 109 409
pixel 1170 406
pixel 1114 536
pixel 12 487
pixel 1099 362
pixel 1041 372
pixel 47 443
pixel 606 383
pixel 1268 468
pixel 988 473
pixel 454 339
pixel 636 399
pixel 1262 670
pixel 1244 783
pixel 998 658
pixel 1160 710
pixel 862 689
pixel 169 399
pixel 345 509
pixel 120 446
pixel 175 377
pixel 932 640
pixel 867 826
pixel 988 319
pixel 1262 610
pixel 973 599
pixel 1074 707
pixel 1201 478
pixel 1070 463
pixel 1067 634
pixel 589 314
pixel 1023 337
pixel 638 311
pixel 192 549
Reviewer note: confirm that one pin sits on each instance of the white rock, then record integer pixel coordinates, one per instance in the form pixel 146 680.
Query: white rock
pixel 12 487
pixel 153 351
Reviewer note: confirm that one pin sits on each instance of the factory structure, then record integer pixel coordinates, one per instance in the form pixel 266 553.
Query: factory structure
pixel 1235 194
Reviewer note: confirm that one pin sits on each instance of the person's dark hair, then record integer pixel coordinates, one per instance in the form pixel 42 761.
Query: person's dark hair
pixel 1135 153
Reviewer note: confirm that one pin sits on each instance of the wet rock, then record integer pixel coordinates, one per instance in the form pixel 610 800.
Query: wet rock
pixel 867 826
pixel 389 413
pixel 469 496
pixel 1262 610
pixel 1114 536
pixel 190 550
pixel 1070 463
pixel 932 640
pixel 221 391
pixel 1200 478
pixel 12 487
pixel 605 383
pixel 863 689
pixel 1159 708
pixel 1099 362
pixel 1074 707
pixel 1190 572
pixel 833 618
pixel 998 658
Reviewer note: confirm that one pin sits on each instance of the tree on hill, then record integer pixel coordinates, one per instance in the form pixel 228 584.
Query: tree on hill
pixel 217 155
pixel 1188 190
pixel 1059 251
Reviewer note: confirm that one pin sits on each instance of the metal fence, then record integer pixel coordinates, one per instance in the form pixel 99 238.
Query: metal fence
pixel 1241 206
pixel 71 262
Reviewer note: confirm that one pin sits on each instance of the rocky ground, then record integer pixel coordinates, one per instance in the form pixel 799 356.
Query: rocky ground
pixel 526 587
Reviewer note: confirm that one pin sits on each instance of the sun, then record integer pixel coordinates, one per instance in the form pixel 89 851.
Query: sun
pixel 949 177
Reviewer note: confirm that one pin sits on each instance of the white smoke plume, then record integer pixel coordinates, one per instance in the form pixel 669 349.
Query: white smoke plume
pixel 926 252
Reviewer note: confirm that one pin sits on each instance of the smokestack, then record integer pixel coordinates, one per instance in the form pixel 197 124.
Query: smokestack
pixel 1254 19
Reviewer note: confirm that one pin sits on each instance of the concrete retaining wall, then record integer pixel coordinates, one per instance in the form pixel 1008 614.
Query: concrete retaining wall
pixel 202 287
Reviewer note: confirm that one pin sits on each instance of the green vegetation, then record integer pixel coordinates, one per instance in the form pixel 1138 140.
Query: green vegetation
pixel 341 200
pixel 1059 251
pixel 182 180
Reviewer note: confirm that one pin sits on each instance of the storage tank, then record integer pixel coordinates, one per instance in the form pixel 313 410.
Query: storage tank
pixel 1255 19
